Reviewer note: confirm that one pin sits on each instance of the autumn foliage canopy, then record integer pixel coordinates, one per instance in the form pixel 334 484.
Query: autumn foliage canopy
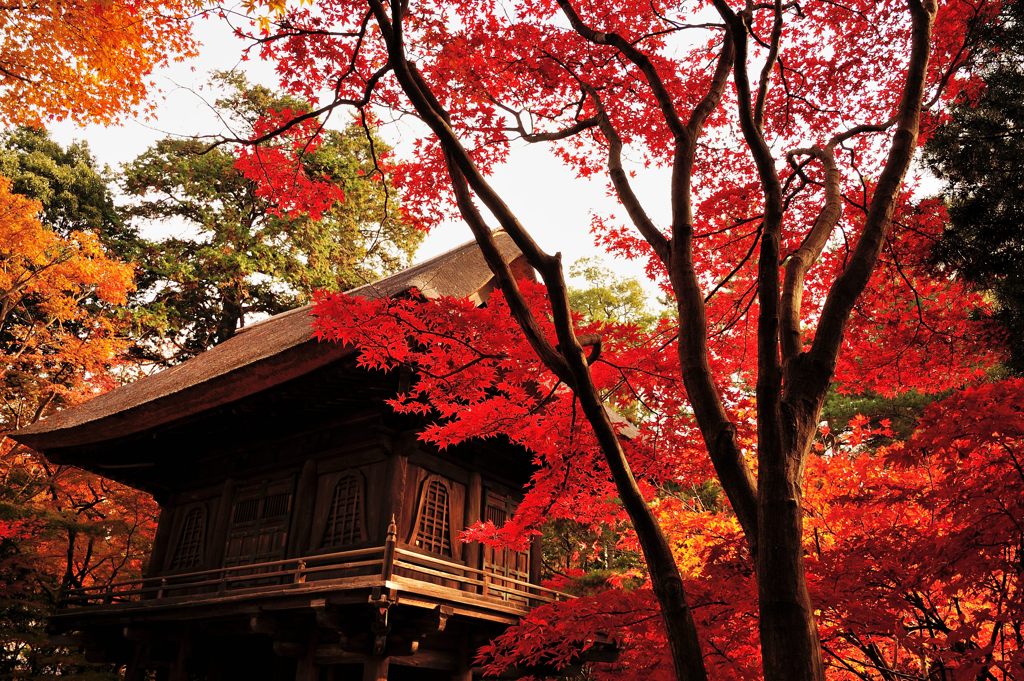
pixel 792 244
pixel 86 60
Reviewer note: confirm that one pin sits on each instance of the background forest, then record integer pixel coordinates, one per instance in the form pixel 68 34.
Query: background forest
pixel 914 526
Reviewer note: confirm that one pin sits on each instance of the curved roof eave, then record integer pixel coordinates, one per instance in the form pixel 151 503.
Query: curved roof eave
pixel 258 357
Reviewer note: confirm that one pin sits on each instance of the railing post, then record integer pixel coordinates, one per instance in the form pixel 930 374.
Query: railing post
pixel 163 588
pixel 108 595
pixel 388 569
pixel 300 572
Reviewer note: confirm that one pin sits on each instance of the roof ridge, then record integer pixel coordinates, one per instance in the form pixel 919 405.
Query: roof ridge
pixel 414 269
pixel 406 273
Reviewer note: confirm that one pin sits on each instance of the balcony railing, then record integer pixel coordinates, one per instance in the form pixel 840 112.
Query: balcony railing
pixel 387 565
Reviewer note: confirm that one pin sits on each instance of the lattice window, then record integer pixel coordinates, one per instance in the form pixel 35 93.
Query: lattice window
pixel 276 505
pixel 189 551
pixel 496 515
pixel 345 514
pixel 246 510
pixel 433 532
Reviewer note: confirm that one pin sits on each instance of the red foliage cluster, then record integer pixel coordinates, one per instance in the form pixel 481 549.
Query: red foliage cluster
pixel 914 555
pixel 934 498
pixel 277 168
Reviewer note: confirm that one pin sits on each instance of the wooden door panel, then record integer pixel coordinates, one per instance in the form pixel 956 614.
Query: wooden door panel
pixel 260 517
pixel 502 561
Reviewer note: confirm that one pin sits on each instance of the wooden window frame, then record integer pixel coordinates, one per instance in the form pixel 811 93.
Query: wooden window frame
pixel 356 480
pixel 197 545
pixel 446 542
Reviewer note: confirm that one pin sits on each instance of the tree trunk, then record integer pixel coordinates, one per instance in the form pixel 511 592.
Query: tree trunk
pixel 790 647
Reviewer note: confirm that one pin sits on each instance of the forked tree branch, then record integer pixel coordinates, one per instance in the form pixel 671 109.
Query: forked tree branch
pixel 854 278
pixel 769 65
pixel 623 188
pixel 676 253
pixel 769 375
pixel 717 429
pixel 798 263
pixel 638 58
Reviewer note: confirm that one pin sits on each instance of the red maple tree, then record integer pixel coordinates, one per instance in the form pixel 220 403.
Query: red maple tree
pixel 793 253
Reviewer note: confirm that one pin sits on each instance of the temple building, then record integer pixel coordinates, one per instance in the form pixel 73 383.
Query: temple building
pixel 305 532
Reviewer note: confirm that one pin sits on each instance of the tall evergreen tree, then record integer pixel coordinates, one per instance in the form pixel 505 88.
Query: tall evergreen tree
pixel 231 256
pixel 978 152
pixel 73 189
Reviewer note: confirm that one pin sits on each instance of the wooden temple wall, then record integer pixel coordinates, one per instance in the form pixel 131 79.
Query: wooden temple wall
pixel 335 499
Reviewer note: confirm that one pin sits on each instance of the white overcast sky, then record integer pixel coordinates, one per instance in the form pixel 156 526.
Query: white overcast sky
pixel 554 204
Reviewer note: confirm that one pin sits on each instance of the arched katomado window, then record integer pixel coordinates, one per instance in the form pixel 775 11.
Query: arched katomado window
pixel 345 513
pixel 188 553
pixel 433 520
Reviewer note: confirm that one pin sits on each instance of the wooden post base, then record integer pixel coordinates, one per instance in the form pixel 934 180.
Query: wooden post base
pixel 376 669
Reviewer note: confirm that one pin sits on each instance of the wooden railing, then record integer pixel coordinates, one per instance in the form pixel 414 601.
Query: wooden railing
pixel 379 565
pixel 485 584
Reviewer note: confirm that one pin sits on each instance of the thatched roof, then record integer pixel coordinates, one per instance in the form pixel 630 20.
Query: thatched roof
pixel 258 357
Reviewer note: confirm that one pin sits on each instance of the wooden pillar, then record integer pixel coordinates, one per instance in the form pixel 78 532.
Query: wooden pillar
pixel 160 542
pixel 474 502
pixel 394 484
pixel 135 671
pixel 536 558
pixel 215 667
pixel 306 669
pixel 216 544
pixel 179 668
pixel 302 511
pixel 376 669
pixel 464 660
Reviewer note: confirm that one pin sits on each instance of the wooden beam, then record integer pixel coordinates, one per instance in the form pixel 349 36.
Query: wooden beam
pixel 327 654
pixel 289 648
pixel 427 659
pixel 441 660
